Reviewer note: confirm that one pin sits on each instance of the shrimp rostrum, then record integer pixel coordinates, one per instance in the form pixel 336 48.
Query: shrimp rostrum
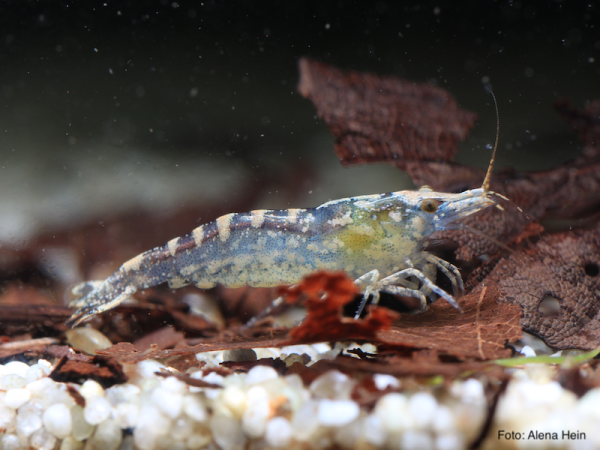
pixel 379 240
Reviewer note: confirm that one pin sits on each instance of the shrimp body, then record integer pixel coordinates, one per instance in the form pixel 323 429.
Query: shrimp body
pixel 377 239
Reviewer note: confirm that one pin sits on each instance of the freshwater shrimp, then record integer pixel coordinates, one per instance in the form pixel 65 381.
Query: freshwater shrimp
pixel 379 240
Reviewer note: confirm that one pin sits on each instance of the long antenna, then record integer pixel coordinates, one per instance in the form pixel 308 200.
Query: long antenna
pixel 488 175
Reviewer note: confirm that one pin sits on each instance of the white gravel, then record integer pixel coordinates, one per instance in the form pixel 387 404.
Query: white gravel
pixel 262 409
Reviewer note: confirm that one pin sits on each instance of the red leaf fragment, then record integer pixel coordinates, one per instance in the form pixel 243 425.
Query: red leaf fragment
pixel 326 294
pixel 377 118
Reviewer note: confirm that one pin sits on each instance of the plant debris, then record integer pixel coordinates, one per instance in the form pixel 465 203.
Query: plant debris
pixel 564 269
pixel 106 371
pixel 586 122
pixel 482 331
pixel 384 119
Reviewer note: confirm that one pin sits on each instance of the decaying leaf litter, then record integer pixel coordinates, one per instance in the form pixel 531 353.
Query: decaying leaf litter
pixel 417 128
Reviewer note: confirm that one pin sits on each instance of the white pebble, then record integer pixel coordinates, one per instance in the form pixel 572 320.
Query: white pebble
pixel 11 442
pixel 70 443
pixel 305 422
pixel 148 368
pixel 97 410
pixel 91 389
pixel 181 428
pixel 588 405
pixel 42 440
pixel 443 421
pixel 87 340
pixel 449 441
pixel 127 415
pixel 336 413
pixel 198 440
pixel 206 306
pixel 57 420
pixel 108 436
pixel 174 385
pixel 16 367
pixel 416 440
pixel 227 432
pixel 348 435
pixel 168 443
pixel 383 381
pixel 8 417
pixel 37 372
pixel 152 424
pixel 170 403
pixel 194 407
pixel 57 393
pixel 392 410
pixel 29 418
pixel 332 384
pixel 528 351
pixel 254 420
pixel 373 431
pixel 212 377
pixel 422 406
pixel 12 381
pixel 278 432
pixel 44 362
pixel 540 394
pixel 259 374
pixel 15 398
pixel 235 399
pixel 81 429
pixel 470 391
pixel 38 388
pixel 121 393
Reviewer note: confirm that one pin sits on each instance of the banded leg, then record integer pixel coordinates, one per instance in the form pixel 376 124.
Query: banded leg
pixel 368 281
pixel 450 271
pixel 425 282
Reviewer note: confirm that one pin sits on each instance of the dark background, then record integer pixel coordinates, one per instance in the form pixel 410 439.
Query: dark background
pixel 111 107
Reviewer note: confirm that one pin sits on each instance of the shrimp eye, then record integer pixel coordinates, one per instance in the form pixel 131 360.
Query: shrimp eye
pixel 429 205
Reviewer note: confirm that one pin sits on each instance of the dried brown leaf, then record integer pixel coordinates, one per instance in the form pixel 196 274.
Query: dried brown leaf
pixel 196 382
pixel 126 353
pixel 375 118
pixel 564 192
pixel 566 267
pixel 106 371
pixel 586 122
pixel 164 338
pixel 245 366
pixel 481 332
pixel 398 367
pixel 27 345
pixel 64 351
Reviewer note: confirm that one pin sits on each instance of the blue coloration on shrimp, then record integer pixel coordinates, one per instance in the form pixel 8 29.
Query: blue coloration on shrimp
pixel 377 239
